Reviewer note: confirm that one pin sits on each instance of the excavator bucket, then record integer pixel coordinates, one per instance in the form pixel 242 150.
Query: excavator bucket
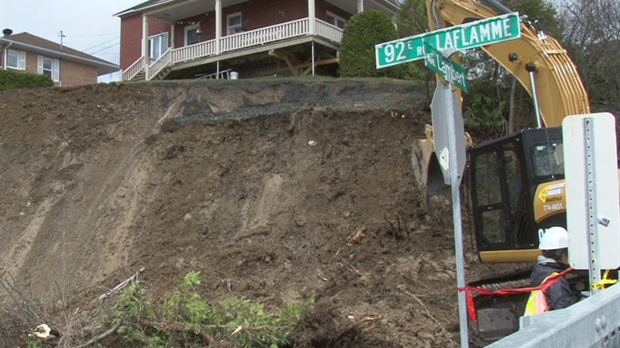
pixel 426 170
pixel 421 153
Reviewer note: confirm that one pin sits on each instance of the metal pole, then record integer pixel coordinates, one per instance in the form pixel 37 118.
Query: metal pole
pixel 456 216
pixel 312 58
pixel 61 37
pixel 593 252
pixel 531 68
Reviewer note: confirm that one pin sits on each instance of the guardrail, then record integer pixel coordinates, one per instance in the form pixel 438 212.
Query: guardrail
pixel 590 323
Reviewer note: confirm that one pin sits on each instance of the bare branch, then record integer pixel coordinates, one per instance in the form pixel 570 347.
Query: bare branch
pixel 100 337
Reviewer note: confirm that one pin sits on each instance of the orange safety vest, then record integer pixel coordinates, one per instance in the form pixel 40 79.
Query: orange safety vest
pixel 537 303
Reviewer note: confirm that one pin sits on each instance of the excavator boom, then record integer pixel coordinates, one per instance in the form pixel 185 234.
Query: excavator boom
pixel 559 89
pixel 536 60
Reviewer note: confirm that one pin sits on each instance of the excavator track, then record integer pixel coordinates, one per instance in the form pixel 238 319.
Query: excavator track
pixel 510 281
pixel 498 315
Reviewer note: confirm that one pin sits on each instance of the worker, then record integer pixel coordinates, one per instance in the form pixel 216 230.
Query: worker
pixel 552 262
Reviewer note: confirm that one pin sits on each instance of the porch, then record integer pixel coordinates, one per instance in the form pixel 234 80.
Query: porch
pixel 322 38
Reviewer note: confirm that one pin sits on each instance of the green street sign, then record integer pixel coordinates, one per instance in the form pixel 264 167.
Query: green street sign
pixel 474 34
pixel 450 70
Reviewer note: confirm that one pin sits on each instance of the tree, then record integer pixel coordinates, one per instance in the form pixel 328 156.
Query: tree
pixel 591 34
pixel 412 20
pixel 357 50
pixel 497 103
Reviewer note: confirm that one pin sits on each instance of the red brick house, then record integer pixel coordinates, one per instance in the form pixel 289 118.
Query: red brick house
pixel 172 39
pixel 64 65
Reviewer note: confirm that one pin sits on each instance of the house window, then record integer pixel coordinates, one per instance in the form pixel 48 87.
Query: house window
pixel 191 35
pixel 335 20
pixel 158 44
pixel 49 67
pixel 16 60
pixel 233 23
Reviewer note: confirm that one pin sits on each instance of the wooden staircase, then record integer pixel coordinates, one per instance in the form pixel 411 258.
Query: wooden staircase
pixel 140 76
pixel 162 74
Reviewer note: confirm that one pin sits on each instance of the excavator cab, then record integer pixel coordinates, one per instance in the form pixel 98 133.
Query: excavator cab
pixel 511 178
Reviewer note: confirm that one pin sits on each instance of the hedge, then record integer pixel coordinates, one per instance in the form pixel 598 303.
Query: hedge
pixel 357 50
pixel 13 79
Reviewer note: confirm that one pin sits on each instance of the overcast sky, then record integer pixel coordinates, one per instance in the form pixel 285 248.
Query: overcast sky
pixel 87 25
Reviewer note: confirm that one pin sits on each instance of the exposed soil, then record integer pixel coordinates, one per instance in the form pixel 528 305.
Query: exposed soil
pixel 275 190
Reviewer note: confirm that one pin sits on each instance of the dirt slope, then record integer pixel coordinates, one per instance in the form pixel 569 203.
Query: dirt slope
pixel 259 185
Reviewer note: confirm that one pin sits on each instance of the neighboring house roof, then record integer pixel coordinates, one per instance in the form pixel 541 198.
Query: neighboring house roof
pixel 31 43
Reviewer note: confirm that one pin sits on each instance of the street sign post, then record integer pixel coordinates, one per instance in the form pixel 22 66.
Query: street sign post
pixel 450 150
pixel 450 70
pixel 448 127
pixel 474 34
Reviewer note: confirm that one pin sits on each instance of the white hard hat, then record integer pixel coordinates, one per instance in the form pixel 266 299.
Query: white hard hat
pixel 555 237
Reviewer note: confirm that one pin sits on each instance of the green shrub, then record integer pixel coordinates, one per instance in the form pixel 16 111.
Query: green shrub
pixel 185 319
pixel 13 79
pixel 357 50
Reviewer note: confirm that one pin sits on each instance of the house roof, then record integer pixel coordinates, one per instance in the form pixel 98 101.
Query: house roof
pixel 31 43
pixel 151 3
pixel 140 6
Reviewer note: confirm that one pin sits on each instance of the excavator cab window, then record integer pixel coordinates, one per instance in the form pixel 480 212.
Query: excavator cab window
pixel 488 193
pixel 548 160
pixel 499 192
pixel 504 175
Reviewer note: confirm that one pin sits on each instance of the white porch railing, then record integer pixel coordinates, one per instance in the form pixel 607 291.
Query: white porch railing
pixel 328 31
pixel 202 49
pixel 162 62
pixel 288 30
pixel 265 35
pixel 133 69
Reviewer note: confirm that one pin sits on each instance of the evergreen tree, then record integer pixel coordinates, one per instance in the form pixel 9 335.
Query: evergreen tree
pixel 357 50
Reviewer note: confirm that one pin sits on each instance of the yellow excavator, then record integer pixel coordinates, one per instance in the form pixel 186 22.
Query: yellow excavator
pixel 517 183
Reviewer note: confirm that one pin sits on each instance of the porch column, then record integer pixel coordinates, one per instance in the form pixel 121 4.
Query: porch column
pixel 171 38
pixel 311 17
pixel 145 45
pixel 360 6
pixel 218 25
